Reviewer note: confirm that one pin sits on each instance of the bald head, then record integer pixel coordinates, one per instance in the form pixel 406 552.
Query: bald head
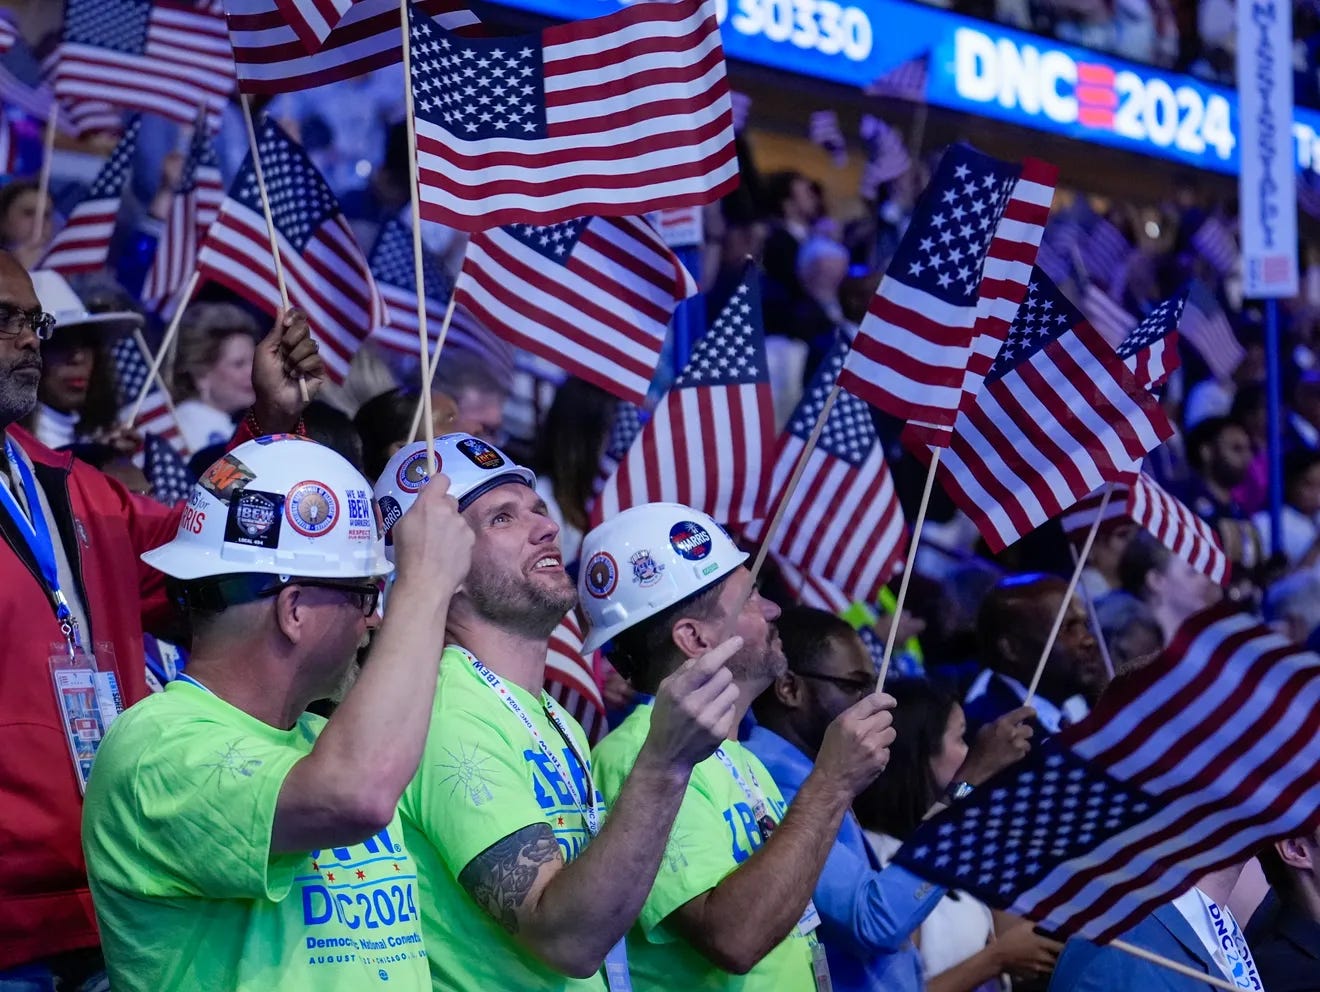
pixel 20 354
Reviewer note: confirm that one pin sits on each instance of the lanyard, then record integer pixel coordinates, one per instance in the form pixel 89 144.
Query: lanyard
pixel 36 532
pixel 587 808
pixel 1235 956
pixel 755 799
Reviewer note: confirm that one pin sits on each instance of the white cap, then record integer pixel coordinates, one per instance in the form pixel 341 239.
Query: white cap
pixel 279 505
pixel 645 560
pixel 59 300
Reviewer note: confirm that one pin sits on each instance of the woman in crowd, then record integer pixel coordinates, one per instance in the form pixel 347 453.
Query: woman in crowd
pixel 213 371
pixel 959 949
pixel 385 424
pixel 1165 582
pixel 18 221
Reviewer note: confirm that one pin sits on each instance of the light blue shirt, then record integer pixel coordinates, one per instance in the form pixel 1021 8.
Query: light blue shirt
pixel 867 913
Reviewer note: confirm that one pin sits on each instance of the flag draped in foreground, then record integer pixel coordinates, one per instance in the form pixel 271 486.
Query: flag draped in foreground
pixel 1187 765
pixel 192 211
pixel 570 682
pixel 84 242
pixel 614 116
pixel 166 57
pixel 593 296
pixel 326 273
pixel 131 370
pixel 313 20
pixel 844 522
pixel 707 445
pixel 1150 350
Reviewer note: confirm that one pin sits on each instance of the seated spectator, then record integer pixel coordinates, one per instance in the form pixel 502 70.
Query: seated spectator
pixel 1301 508
pixel 1013 623
pixel 928 764
pixel 213 371
pixel 1284 932
pixel 1165 582
pixel 1129 628
pixel 476 389
pixel 1292 606
pixel 1219 454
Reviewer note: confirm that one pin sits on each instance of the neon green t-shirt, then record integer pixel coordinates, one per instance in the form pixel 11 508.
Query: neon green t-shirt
pixel 482 777
pixel 713 834
pixel 177 829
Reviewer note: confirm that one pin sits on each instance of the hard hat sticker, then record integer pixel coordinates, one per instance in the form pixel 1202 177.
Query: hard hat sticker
pixel 390 514
pixel 690 539
pixel 312 509
pixel 646 570
pixel 360 523
pixel 226 477
pixel 272 438
pixel 480 454
pixel 254 519
pixel 602 574
pixel 412 474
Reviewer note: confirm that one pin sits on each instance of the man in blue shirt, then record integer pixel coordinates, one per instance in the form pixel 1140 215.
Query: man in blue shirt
pixel 867 913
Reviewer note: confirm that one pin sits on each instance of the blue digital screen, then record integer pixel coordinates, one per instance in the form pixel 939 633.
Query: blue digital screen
pixel 983 69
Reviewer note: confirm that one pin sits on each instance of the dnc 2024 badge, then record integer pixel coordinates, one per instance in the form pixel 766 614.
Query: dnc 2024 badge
pixel 602 574
pixel 646 570
pixel 311 508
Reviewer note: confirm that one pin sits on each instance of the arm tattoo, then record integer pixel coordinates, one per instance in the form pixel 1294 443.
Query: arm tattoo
pixel 500 877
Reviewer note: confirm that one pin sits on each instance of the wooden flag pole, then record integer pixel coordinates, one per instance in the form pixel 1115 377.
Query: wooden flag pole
pixel 793 481
pixel 165 343
pixel 270 220
pixel 428 372
pixel 1094 618
pixel 1180 968
pixel 43 179
pixel 892 639
pixel 145 352
pixel 418 276
pixel 1068 595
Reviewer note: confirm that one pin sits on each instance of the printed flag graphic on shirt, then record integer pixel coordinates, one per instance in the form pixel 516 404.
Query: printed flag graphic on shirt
pixel 1059 415
pixel 165 57
pixel 392 265
pixel 570 682
pixel 1150 350
pixel 272 58
pixel 593 296
pixel 614 116
pixel 707 444
pixel 131 370
pixel 325 270
pixel 844 522
pixel 912 350
pixel 1186 765
pixel 84 242
pixel 193 209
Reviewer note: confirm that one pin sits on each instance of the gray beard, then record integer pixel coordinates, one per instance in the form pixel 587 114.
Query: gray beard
pixel 518 606
pixel 16 402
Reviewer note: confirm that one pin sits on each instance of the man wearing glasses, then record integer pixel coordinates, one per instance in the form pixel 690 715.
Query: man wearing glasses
pixel 234 840
pixel 73 586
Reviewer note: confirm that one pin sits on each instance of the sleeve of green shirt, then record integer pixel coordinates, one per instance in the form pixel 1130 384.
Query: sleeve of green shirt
pixel 191 812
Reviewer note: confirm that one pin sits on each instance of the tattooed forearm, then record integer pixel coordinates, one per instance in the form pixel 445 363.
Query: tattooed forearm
pixel 500 877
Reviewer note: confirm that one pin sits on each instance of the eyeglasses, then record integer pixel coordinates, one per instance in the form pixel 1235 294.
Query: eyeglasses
pixel 365 596
pixel 13 321
pixel 857 687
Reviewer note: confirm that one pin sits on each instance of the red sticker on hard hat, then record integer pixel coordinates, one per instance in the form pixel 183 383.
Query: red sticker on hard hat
pixel 412 474
pixel 690 539
pixel 480 454
pixel 254 519
pixel 226 477
pixel 311 508
pixel 602 574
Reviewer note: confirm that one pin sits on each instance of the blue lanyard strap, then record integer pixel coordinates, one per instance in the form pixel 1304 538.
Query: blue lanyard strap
pixel 36 533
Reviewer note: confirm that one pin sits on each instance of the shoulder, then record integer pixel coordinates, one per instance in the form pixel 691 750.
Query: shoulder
pixel 618 750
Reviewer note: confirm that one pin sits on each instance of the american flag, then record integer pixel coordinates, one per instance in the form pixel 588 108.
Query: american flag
pixel 570 682
pixel 84 242
pixel 843 522
pixel 1150 350
pixel 821 594
pixel 1207 329
pixel 170 480
pixel 166 57
pixel 93 116
pixel 626 425
pixel 823 129
pixel 325 270
pixel 593 295
pixel 1106 315
pixel 914 343
pixel 1059 249
pixel 1079 518
pixel 612 116
pixel 707 445
pixel 193 210
pixel 391 263
pixel 1214 242
pixel 132 367
pixel 887 157
pixel 8 35
pixel 1186 765
pixel 23 86
pixel 313 20
pixel 1059 415
pixel 1104 253
pixel 272 59
pixel 906 81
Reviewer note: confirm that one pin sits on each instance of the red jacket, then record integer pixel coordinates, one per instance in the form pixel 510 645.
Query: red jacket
pixel 45 907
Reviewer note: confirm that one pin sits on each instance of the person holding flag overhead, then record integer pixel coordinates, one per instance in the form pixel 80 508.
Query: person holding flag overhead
pixel 524 883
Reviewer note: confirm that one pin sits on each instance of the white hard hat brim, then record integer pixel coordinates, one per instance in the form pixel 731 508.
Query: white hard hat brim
pixel 189 563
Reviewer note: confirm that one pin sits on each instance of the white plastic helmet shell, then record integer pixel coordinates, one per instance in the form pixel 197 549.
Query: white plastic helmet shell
pixel 646 559
pixel 473 466
pixel 279 505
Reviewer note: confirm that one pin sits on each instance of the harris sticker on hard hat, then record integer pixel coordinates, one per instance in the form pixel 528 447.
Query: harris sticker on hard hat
pixel 226 477
pixel 646 570
pixel 690 539
pixel 254 519
pixel 412 474
pixel 390 514
pixel 311 509
pixel 602 574
pixel 480 454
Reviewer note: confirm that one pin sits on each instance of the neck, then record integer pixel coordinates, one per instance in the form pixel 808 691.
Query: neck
pixel 1169 623
pixel 1218 885
pixel 1223 494
pixel 1308 896
pixel 778 723
pixel 515 658
pixel 748 690
pixel 256 692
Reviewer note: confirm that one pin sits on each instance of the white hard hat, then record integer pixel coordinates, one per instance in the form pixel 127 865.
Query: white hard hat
pixel 646 559
pixel 279 505
pixel 59 300
pixel 473 466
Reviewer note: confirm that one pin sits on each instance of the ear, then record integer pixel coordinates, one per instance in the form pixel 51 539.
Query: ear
pixel 1295 852
pixel 1006 648
pixel 788 690
pixel 690 637
pixel 289 613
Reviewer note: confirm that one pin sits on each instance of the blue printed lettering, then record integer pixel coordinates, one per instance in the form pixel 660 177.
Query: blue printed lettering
pixel 750 829
pixel 739 855
pixel 324 909
pixel 345 900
